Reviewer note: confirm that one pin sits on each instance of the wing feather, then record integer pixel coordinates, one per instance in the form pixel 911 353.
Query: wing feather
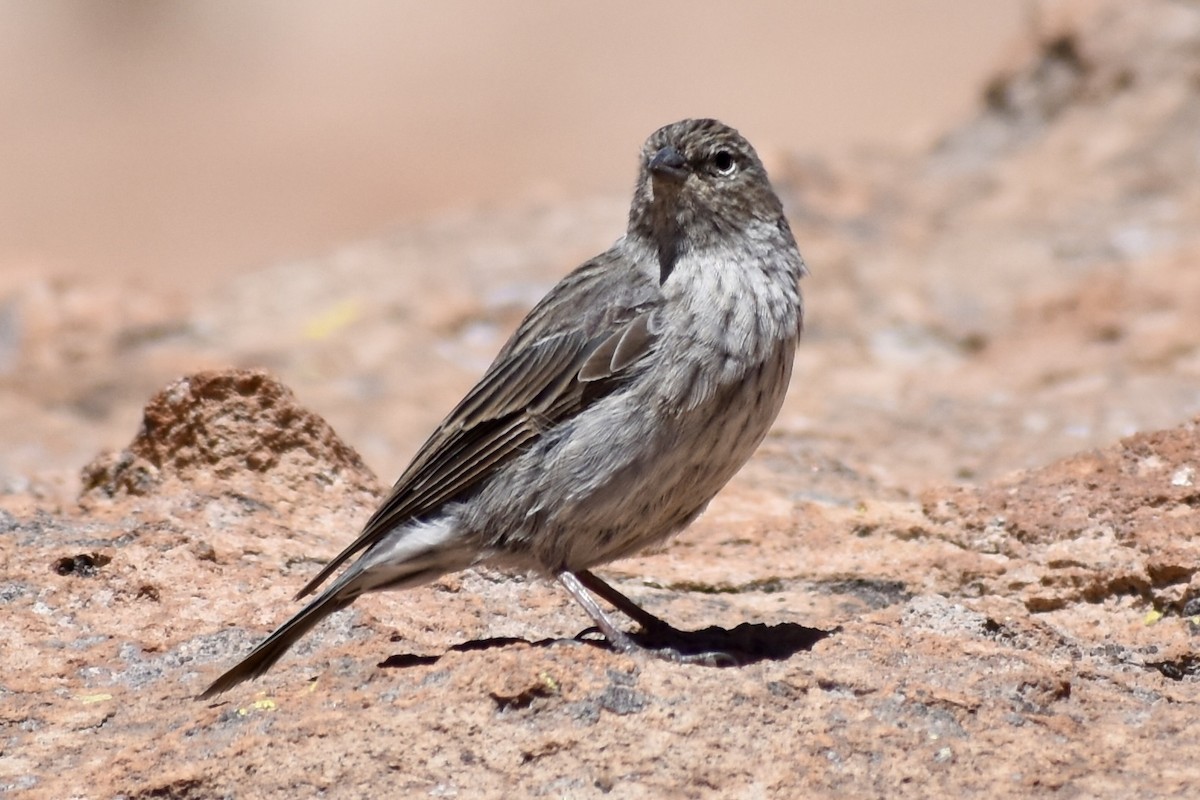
pixel 527 390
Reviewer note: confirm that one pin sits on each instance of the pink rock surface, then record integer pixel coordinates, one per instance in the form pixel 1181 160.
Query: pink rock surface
pixel 966 554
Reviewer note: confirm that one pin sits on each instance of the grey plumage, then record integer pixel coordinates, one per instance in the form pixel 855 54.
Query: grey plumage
pixel 621 405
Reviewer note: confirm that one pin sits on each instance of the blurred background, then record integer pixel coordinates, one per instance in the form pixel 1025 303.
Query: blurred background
pixel 175 143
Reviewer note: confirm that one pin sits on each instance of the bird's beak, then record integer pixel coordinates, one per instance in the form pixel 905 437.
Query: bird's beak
pixel 668 163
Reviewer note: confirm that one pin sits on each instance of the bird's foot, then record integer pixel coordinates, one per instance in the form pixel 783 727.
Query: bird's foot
pixel 667 644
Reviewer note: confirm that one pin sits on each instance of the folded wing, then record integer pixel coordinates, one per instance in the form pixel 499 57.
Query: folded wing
pixel 534 385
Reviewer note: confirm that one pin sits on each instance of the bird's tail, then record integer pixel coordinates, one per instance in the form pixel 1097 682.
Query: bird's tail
pixel 405 558
pixel 263 657
pixel 355 582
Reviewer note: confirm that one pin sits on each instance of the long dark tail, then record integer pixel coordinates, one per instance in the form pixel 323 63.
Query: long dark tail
pixel 263 657
pixel 405 558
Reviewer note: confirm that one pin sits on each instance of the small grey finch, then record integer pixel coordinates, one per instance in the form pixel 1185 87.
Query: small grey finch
pixel 623 403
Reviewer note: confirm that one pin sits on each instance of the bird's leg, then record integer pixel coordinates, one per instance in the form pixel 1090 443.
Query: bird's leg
pixel 616 637
pixel 578 585
pixel 620 602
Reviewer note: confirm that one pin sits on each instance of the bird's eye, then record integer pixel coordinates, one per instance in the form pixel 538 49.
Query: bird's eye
pixel 724 163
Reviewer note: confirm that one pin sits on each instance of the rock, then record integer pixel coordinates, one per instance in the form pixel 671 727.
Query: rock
pixel 227 429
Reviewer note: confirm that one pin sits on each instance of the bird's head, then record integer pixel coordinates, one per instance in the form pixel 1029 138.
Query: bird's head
pixel 700 175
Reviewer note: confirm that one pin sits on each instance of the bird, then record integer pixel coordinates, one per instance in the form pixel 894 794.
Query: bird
pixel 623 402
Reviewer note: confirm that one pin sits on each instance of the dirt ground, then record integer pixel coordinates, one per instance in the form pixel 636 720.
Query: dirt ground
pixel 965 559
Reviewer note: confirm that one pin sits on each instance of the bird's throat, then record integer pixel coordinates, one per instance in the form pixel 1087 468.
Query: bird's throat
pixel 667 234
pixel 668 254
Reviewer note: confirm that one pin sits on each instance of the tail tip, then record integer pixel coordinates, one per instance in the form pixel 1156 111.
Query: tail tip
pixel 223 684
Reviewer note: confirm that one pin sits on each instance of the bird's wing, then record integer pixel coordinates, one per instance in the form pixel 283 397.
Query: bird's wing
pixel 563 358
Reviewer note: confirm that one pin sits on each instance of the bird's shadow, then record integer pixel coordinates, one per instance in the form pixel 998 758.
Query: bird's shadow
pixel 713 646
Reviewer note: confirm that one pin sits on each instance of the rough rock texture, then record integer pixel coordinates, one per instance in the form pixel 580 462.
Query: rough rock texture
pixel 214 429
pixel 1117 522
pixel 967 554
